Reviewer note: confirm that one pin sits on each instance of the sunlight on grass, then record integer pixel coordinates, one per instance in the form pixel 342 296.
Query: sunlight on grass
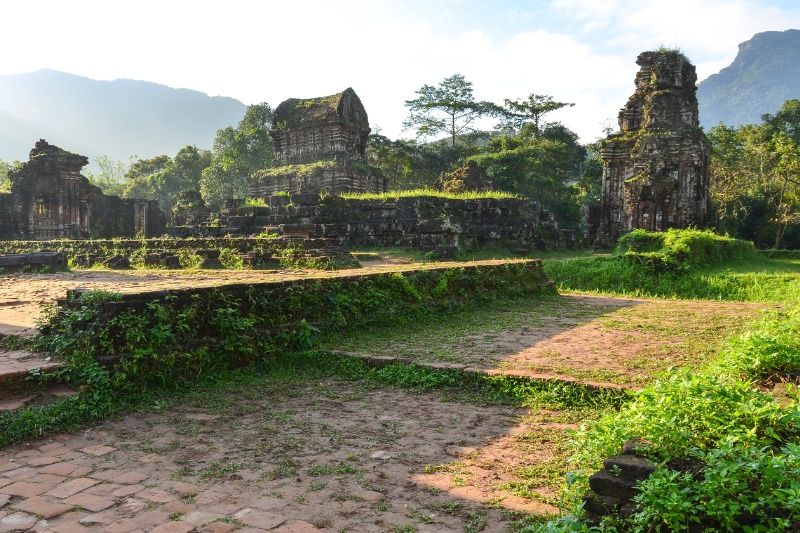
pixel 412 193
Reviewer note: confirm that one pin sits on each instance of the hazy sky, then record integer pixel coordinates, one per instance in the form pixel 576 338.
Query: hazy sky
pixel 580 51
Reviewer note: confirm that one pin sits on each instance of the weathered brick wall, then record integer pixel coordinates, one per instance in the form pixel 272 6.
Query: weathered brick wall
pixel 424 222
pixel 91 251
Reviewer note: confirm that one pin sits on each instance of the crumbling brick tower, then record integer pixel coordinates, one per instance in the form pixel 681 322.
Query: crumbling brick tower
pixel 320 146
pixel 655 170
pixel 51 199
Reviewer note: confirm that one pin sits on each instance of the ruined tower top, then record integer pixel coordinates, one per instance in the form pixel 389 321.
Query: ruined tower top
pixel 45 154
pixel 665 93
pixel 314 129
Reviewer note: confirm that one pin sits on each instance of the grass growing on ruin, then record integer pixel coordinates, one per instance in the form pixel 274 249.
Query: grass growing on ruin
pixel 414 193
pixel 690 264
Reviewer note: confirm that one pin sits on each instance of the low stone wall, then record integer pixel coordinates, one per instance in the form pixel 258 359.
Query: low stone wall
pixel 256 251
pixel 423 222
pixel 238 324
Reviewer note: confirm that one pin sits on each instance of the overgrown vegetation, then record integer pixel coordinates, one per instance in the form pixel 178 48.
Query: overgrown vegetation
pixel 169 343
pixel 681 249
pixel 727 453
pixel 754 183
pixel 681 264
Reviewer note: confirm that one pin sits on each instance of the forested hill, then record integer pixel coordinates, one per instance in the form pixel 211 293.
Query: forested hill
pixel 118 119
pixel 765 73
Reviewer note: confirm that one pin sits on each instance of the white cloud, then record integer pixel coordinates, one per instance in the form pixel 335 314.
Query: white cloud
pixel 581 51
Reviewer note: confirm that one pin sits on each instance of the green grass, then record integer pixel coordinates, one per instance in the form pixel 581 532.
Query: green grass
pixel 84 409
pixel 420 256
pixel 414 193
pixel 757 279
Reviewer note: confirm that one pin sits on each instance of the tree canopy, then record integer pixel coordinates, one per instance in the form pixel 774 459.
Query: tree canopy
pixel 516 113
pixel 755 173
pixel 237 153
pixel 447 108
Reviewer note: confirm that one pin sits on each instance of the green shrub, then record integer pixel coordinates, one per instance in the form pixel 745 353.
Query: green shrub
pixel 681 248
pixel 770 349
pixel 255 202
pixel 189 259
pixel 738 486
pixel 230 259
pixel 687 412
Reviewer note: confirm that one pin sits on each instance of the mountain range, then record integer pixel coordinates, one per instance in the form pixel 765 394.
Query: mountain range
pixel 765 73
pixel 118 119
pixel 124 118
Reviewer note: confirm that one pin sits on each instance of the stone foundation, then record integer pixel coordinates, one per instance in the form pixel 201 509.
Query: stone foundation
pixel 255 251
pixel 339 175
pixel 422 222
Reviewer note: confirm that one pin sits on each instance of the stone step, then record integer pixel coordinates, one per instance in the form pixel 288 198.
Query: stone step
pixel 15 365
pixel 21 398
pixel 630 467
pixel 606 484
pixel 16 392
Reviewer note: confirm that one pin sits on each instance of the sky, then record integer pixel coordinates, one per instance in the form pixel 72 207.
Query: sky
pixel 579 51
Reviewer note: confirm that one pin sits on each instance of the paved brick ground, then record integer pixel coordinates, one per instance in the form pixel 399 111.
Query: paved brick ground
pixel 291 458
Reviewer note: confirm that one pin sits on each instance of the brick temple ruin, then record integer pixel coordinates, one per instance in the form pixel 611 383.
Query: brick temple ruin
pixel 655 170
pixel 320 146
pixel 51 199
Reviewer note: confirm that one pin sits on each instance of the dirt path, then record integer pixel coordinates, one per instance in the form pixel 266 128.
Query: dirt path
pixel 591 339
pixel 326 455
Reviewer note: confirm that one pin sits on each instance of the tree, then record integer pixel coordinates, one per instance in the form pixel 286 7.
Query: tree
pixel 547 166
pixel 516 113
pixel 162 178
pixel 410 164
pixel 237 153
pixel 448 108
pixel 5 168
pixel 755 170
pixel 111 177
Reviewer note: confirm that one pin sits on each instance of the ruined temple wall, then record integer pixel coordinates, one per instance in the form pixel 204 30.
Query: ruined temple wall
pixel 428 223
pixel 338 178
pixel 305 145
pixel 8 227
pixel 51 199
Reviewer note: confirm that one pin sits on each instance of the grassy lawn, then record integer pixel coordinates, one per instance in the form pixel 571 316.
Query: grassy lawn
pixel 750 280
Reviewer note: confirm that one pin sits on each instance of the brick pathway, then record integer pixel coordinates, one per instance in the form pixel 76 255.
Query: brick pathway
pixel 302 458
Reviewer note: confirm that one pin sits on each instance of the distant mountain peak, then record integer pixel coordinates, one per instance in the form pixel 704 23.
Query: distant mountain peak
pixel 764 74
pixel 116 118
